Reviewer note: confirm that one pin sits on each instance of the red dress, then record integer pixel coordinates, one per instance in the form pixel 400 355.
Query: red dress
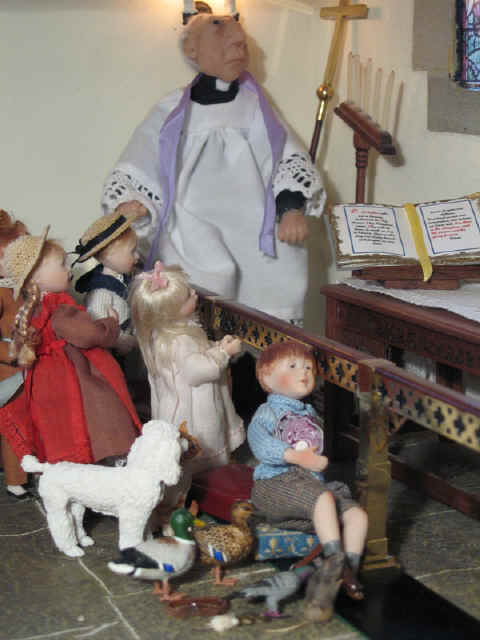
pixel 78 399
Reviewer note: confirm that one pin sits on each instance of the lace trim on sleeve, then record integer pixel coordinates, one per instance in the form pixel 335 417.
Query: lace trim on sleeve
pixel 297 173
pixel 122 187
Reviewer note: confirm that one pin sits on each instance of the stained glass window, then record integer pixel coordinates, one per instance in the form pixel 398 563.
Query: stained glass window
pixel 468 43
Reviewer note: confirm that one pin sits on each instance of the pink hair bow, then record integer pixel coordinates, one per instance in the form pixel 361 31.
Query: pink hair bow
pixel 158 281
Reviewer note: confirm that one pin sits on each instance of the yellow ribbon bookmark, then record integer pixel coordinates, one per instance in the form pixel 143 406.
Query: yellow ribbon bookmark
pixel 420 247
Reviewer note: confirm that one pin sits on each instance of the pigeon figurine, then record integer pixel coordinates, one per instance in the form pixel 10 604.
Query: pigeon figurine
pixel 275 588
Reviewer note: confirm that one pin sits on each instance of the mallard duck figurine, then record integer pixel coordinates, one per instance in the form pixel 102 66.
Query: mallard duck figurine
pixel 223 545
pixel 160 559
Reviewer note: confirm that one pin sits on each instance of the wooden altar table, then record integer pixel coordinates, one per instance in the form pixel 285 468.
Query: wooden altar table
pixel 381 389
pixel 385 327
pixel 377 323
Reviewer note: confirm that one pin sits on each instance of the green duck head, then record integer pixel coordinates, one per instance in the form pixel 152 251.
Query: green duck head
pixel 181 522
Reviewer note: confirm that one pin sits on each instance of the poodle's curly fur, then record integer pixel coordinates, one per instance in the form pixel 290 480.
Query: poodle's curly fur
pixel 130 493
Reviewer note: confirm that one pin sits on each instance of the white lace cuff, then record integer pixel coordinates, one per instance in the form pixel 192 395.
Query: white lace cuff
pixel 121 186
pixel 297 173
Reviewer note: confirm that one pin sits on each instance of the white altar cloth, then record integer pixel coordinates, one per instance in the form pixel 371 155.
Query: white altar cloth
pixel 464 301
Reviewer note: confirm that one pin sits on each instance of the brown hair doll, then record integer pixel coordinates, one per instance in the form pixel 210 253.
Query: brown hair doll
pixel 290 490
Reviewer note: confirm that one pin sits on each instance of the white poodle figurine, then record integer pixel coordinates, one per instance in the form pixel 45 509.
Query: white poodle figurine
pixel 130 493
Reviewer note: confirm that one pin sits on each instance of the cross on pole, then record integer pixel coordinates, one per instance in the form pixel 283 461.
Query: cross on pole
pixel 341 13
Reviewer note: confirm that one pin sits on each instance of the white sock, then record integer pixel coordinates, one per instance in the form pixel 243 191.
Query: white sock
pixel 16 489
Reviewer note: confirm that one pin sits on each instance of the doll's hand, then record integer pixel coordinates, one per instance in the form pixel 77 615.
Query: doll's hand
pixel 112 313
pixel 231 345
pixel 306 458
pixel 293 228
pixel 125 343
pixel 132 207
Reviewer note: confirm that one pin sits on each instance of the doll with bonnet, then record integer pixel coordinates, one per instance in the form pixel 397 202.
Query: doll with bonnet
pixel 77 397
pixel 187 372
pixel 14 416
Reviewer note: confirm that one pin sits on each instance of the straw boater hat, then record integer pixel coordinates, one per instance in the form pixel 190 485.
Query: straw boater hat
pixel 102 232
pixel 21 257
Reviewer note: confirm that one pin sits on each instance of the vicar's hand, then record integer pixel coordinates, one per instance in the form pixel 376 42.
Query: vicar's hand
pixel 132 207
pixel 293 228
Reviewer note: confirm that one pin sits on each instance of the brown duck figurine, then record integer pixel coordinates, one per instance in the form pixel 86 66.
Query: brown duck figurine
pixel 223 545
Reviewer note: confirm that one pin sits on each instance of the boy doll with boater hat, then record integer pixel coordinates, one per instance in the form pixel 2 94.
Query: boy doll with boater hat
pixel 112 241
pixel 289 487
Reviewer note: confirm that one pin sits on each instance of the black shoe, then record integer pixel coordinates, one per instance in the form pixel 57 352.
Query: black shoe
pixel 24 496
pixel 351 586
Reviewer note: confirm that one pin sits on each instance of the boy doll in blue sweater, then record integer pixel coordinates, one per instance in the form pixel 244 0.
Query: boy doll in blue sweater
pixel 287 440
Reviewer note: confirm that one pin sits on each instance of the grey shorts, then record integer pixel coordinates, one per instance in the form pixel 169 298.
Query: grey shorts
pixel 288 500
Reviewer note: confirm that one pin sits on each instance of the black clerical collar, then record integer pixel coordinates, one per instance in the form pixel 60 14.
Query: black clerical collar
pixel 205 91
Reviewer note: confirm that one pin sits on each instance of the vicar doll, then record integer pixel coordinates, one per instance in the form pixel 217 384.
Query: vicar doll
pixel 225 183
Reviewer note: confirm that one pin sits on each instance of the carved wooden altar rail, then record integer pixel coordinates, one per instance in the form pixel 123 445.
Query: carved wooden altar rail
pixel 382 390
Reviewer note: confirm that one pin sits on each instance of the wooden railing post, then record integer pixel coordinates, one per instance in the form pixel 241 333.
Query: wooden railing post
pixel 373 474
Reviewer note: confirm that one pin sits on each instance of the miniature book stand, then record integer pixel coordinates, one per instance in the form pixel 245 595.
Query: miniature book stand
pixel 445 277
pixel 368 134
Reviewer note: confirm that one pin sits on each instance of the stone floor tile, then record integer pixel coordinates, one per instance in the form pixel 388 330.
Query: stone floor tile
pixel 21 518
pixel 148 614
pixel 459 586
pixel 42 591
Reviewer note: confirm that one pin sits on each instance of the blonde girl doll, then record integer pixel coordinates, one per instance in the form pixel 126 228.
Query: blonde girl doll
pixel 79 404
pixel 187 373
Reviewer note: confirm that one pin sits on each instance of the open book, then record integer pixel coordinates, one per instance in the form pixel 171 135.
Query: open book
pixel 444 232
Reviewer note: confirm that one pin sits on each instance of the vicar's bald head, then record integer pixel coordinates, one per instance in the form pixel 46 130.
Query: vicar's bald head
pixel 216 45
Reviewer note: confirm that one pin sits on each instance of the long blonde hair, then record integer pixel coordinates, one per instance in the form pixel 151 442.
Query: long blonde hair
pixel 156 316
pixel 24 337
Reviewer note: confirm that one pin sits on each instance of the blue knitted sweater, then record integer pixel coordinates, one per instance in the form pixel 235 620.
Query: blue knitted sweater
pixel 265 446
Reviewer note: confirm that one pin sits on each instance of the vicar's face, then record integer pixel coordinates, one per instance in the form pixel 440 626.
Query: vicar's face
pixel 218 45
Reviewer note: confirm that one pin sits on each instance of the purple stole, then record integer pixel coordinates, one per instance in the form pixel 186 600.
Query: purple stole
pixel 168 142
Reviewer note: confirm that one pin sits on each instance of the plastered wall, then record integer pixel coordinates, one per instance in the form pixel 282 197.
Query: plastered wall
pixel 78 75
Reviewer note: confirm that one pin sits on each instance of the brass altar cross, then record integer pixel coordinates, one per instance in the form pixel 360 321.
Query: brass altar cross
pixel 341 13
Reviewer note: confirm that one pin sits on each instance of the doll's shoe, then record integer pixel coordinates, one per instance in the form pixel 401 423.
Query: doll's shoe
pixel 18 498
pixel 351 586
pixel 322 589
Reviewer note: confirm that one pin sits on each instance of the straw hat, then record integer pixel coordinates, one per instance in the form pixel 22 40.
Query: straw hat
pixel 21 256
pixel 102 232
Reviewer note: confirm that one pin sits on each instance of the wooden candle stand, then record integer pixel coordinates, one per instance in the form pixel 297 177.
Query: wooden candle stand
pixel 366 134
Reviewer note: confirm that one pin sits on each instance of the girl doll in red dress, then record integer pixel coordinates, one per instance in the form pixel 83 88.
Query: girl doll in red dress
pixel 12 397
pixel 76 393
